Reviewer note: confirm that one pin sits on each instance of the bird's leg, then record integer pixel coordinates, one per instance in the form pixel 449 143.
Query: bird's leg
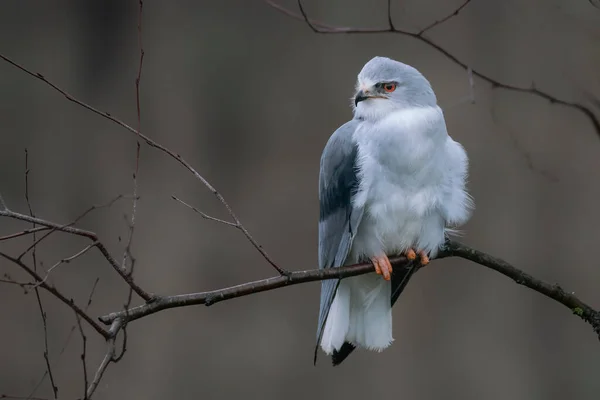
pixel 382 266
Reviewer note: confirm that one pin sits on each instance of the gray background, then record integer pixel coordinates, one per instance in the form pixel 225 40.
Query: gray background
pixel 249 97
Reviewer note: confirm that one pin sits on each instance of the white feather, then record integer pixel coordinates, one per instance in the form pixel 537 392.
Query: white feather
pixel 412 177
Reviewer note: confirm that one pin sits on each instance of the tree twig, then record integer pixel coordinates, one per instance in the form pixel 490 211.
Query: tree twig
pixel 35 287
pixel 108 357
pixel 157 146
pixel 83 356
pixel 321 27
pixel 67 228
pixel 56 293
pixel 441 21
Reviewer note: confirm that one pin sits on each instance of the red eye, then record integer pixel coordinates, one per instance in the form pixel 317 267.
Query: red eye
pixel 389 87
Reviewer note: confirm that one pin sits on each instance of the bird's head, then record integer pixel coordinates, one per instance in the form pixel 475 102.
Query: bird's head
pixel 385 86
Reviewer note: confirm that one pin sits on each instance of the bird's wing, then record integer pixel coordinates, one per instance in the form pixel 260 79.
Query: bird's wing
pixel 338 219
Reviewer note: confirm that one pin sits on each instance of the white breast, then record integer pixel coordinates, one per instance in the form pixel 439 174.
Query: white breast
pixel 404 161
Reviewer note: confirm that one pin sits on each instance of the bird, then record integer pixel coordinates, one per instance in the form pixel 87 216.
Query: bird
pixel 391 182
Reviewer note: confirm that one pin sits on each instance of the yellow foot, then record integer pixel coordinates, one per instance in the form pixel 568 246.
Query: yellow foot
pixel 383 266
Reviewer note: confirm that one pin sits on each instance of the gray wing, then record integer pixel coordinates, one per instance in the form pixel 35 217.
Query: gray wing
pixel 338 219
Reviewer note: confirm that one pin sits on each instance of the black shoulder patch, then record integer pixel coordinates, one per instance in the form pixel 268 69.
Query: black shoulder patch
pixel 341 187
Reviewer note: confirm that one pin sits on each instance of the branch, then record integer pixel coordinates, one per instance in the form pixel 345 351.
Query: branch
pixel 446 18
pixel 108 357
pixel 155 145
pixel 450 249
pixel 553 291
pixel 320 27
pixel 35 287
pixel 56 293
pixel 67 228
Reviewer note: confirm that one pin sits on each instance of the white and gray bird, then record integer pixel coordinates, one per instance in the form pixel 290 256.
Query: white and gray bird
pixel 391 182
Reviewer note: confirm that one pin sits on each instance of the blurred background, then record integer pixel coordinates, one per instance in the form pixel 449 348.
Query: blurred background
pixel 249 96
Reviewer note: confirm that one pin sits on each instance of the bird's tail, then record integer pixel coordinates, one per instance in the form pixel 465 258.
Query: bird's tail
pixel 400 278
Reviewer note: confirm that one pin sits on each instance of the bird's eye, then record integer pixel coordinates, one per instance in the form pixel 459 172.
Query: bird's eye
pixel 389 87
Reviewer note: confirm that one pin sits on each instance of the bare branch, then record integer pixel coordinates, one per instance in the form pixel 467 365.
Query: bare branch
pixel 203 215
pixel 37 292
pixel 68 339
pixel 446 18
pixel 451 249
pixel 67 228
pixel 320 27
pixel 56 293
pixel 389 14
pixel 66 261
pixel 83 356
pixel 2 203
pixel 555 292
pixel 23 233
pixel 108 357
pixel 127 251
pixel 157 146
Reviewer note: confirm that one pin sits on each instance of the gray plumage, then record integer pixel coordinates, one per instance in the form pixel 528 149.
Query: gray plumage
pixel 391 180
pixel 338 219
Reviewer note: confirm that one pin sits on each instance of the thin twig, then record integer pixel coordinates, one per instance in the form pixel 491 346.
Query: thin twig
pixel 389 14
pixel 35 287
pixel 23 233
pixel 320 27
pixel 138 79
pixel 76 220
pixel 204 215
pixel 159 147
pixel 66 261
pixel 108 357
pixel 68 339
pixel 83 356
pixel 239 226
pixel 67 228
pixel 441 21
pixel 56 293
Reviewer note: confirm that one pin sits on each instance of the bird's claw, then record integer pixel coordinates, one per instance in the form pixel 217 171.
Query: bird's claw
pixel 382 266
pixel 411 255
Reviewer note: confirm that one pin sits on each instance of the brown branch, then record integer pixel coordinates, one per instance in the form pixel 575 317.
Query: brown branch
pixel 553 291
pixel 68 339
pixel 35 287
pixel 108 357
pixel 451 249
pixel 320 27
pixel 127 252
pixel 67 228
pixel 83 356
pixel 155 145
pixel 446 18
pixel 23 233
pixel 56 293
pixel 65 260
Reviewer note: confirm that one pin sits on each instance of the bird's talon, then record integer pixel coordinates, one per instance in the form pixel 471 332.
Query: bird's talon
pixel 411 255
pixel 383 267
pixel 424 258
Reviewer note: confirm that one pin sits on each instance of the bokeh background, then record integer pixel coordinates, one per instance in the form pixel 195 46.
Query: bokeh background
pixel 249 97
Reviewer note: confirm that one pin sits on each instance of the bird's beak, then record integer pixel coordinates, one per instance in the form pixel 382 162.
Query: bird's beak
pixel 360 96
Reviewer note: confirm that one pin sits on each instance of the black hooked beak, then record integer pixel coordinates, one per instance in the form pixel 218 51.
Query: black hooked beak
pixel 360 96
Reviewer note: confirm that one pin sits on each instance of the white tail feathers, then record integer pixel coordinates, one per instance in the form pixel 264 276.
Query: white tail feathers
pixel 361 314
